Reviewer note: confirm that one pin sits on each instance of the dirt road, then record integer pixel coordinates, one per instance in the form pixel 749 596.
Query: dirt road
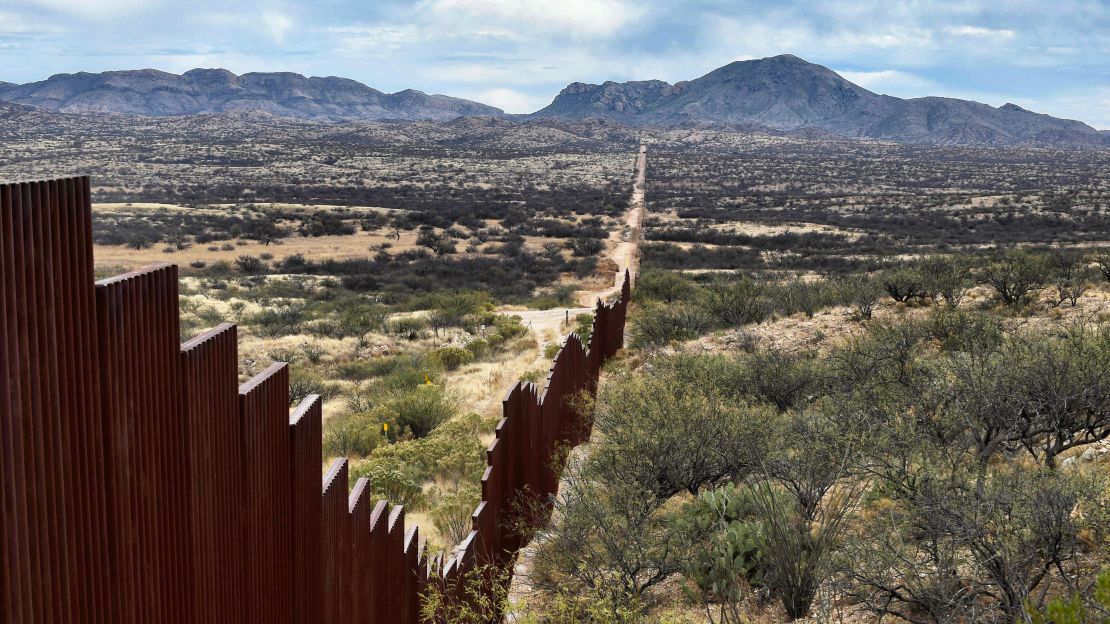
pixel 624 244
pixel 623 248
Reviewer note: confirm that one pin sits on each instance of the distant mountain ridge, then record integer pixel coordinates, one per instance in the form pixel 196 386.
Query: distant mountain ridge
pixel 198 91
pixel 780 94
pixel 788 93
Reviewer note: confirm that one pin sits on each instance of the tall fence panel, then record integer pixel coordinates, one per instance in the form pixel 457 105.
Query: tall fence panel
pixel 307 519
pixel 210 395
pixel 268 505
pixel 147 473
pixel 142 483
pixel 335 545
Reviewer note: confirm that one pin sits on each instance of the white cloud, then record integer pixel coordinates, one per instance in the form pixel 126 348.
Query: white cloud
pixel 373 41
pixel 510 100
pixel 277 25
pixel 1091 106
pixel 96 9
pixel 569 18
pixel 892 82
pixel 980 33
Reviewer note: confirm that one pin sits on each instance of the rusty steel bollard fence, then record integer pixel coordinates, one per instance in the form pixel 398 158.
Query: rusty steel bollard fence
pixel 141 483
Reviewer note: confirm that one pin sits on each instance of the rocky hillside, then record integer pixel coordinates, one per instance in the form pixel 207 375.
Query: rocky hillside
pixel 152 92
pixel 788 93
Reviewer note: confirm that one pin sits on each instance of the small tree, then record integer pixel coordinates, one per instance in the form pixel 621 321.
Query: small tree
pixel 1016 274
pixel 251 265
pixel 861 293
pixel 947 278
pixel 903 284
pixel 1070 276
pixel 1103 261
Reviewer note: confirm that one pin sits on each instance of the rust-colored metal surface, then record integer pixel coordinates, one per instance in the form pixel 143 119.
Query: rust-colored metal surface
pixel 335 544
pixel 307 550
pixel 267 504
pixel 210 394
pixel 140 483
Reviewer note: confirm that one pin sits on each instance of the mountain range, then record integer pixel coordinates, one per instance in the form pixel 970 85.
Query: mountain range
pixel 787 93
pixel 198 91
pixel 779 93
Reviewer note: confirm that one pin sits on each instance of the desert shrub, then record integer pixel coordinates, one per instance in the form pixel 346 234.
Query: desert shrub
pixel 1070 276
pixel 312 351
pixel 1016 275
pixel 903 284
pixel 509 326
pixel 278 321
pixel 1074 609
pixel 806 297
pixel 476 596
pixel 452 513
pixel 1102 260
pixel 418 411
pixel 946 277
pixel 355 370
pixel 410 327
pixel 251 265
pixel 451 358
pixel 453 452
pixel 392 483
pixel 303 382
pixel 584 327
pixel 406 372
pixel 735 303
pixel 354 320
pixel 861 293
pixel 551 349
pixel 784 380
pixel 660 324
pixel 582 247
pixel 665 286
pixel 477 347
pixel 350 435
pixel 533 375
pixel 453 309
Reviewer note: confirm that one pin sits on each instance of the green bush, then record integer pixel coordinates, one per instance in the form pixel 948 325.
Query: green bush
pixel 477 347
pixel 452 513
pixel 351 435
pixel 861 293
pixel 903 284
pixel 451 358
pixel 665 286
pixel 551 349
pixel 584 327
pixel 303 382
pixel 418 411
pixel 452 452
pixel 947 278
pixel 355 370
pixel 410 327
pixel 1016 275
pixel 534 375
pixel 660 324
pixel 250 265
pixel 395 484
pixel 736 303
pixel 278 321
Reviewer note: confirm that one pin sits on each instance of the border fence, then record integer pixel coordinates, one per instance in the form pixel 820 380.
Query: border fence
pixel 142 483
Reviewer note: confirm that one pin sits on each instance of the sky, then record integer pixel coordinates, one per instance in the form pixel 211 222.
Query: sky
pixel 1049 56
